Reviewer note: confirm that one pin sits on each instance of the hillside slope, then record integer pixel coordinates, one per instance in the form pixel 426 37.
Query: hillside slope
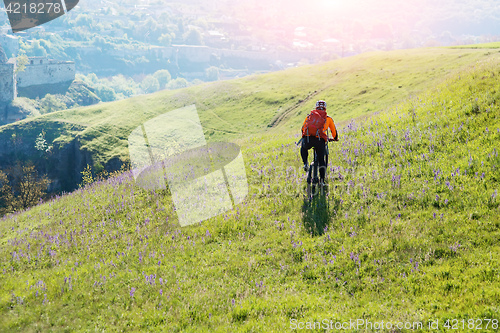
pixel 408 233
pixel 234 109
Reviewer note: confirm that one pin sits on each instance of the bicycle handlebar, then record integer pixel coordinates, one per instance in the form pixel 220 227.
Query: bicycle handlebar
pixel 302 139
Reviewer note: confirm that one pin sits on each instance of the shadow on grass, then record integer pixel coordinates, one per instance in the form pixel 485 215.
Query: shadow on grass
pixel 318 213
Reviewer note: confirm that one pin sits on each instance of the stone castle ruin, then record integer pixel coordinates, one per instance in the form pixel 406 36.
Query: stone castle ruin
pixel 40 77
pixel 45 76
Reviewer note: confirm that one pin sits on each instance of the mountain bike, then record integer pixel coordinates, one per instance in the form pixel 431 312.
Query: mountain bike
pixel 313 183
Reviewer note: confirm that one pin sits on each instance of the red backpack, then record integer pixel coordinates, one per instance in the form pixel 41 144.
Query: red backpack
pixel 314 124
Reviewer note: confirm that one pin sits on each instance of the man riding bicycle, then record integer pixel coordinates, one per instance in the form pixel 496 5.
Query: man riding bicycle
pixel 315 135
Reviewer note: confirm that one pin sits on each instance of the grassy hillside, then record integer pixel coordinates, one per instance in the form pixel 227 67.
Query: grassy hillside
pixel 494 45
pixel 409 231
pixel 353 87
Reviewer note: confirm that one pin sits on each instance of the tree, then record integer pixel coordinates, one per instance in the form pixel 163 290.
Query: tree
pixel 105 93
pixel 41 144
pixel 212 73
pixel 150 84
pixel 45 44
pixel 177 84
pixel 84 20
pixel 102 43
pixel 117 24
pixel 28 186
pixel 149 30
pixel 37 50
pixel 180 26
pixel 43 149
pixel 5 194
pixel 50 103
pixel 163 76
pixel 193 37
pixel 122 85
pixel 92 78
pixel 21 62
pixel 165 39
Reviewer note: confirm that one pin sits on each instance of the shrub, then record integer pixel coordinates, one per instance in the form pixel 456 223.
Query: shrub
pixel 50 103
pixel 150 84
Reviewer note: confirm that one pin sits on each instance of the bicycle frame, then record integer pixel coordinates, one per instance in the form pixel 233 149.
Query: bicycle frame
pixel 313 173
pixel 314 168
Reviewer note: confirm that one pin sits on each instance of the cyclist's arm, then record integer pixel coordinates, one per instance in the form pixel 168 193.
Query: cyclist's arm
pixel 330 124
pixel 304 124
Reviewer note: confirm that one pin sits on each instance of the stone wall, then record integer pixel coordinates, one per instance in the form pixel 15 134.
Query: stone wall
pixel 41 71
pixel 192 53
pixel 7 86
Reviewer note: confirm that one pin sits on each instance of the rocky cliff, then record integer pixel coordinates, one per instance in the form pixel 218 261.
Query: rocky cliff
pixel 63 164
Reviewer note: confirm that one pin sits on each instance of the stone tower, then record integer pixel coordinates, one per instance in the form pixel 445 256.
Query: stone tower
pixel 7 80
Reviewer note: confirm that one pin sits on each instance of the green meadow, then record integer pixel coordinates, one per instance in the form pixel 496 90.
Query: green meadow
pixel 407 233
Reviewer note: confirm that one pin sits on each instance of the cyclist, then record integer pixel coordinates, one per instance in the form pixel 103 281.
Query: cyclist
pixel 315 134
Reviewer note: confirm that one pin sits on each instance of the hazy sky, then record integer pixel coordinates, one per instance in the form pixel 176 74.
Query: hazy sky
pixel 476 17
pixel 457 16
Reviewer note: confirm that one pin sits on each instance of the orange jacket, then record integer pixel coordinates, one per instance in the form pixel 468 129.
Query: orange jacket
pixel 329 124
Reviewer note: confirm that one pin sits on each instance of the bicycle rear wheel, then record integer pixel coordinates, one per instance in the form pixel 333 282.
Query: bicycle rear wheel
pixel 314 184
pixel 310 189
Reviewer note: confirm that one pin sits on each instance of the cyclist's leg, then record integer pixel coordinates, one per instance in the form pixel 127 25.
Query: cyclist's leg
pixel 326 155
pixel 320 150
pixel 304 149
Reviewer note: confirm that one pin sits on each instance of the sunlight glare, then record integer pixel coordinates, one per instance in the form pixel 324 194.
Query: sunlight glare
pixel 334 4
